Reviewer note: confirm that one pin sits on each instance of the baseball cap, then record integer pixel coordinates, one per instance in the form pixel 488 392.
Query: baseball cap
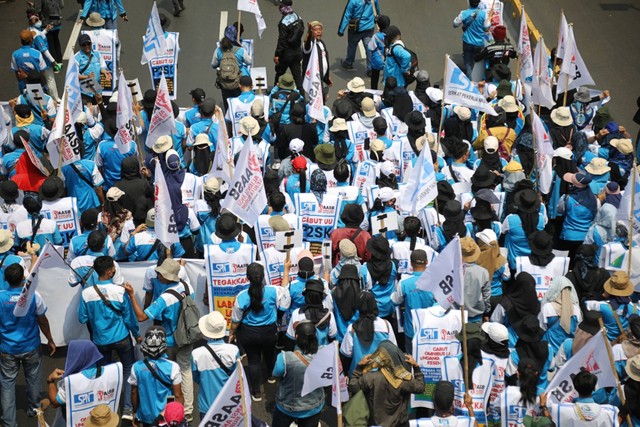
pixel 491 144
pixel 296 145
pixel 198 94
pixel 419 257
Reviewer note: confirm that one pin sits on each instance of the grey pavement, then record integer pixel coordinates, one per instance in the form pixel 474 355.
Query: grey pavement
pixel 607 35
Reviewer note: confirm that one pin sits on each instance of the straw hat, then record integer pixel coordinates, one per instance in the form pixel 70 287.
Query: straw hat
pixel 470 250
pixel 338 124
pixel 162 144
pixel 633 367
pixel 213 325
pixel 102 416
pixel 368 107
pixel 561 116
pixel 94 20
pixel 619 285
pixel 508 104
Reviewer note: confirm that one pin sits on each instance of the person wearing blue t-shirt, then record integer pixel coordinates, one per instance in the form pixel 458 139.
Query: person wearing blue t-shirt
pixel 474 24
pixel 20 345
pixel 25 120
pixel 84 181
pixel 81 269
pixel 6 257
pixel 36 229
pixel 26 58
pixel 192 115
pixel 207 125
pixel 78 245
pixel 109 158
pixel 143 245
pixel 91 65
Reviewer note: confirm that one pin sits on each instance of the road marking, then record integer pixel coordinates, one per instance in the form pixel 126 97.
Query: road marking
pixel 363 53
pixel 77 26
pixel 224 16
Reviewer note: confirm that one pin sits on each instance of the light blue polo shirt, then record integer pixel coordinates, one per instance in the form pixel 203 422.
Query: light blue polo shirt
pixel 166 309
pixel 19 334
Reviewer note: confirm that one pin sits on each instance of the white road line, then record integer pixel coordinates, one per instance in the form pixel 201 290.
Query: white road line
pixel 361 50
pixel 223 23
pixel 68 51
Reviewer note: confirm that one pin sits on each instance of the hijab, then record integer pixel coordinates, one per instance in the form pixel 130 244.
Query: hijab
pixel 81 355
pixel 313 309
pixel 536 351
pixel 605 222
pixel 584 196
pixel 202 158
pixel 380 266
pixel 368 310
pixel 562 296
pixel 492 161
pixel 390 361
pixel 490 257
pixel 346 293
pixel 318 184
pixel 521 298
pixel 587 278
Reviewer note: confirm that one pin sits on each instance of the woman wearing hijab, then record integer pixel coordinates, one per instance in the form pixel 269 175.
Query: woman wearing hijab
pixel 530 345
pixel 345 296
pixel 580 207
pixel 517 227
pixel 314 311
pixel 603 229
pixel 376 48
pixel 256 310
pixel 563 163
pixel 290 368
pixel 509 403
pixel 588 279
pixel 408 241
pixel 387 378
pixel 453 224
pixel 365 335
pixel 616 306
pixel 560 312
pixel 520 300
pixel 492 260
pixel 379 275
pixel 586 329
pixel 318 184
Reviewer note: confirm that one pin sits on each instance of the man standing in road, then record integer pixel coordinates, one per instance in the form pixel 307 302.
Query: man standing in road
pixel 289 48
pixel 474 24
pixel 358 19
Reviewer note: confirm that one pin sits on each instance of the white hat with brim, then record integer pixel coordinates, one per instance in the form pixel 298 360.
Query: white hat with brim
pixel 625 146
pixel 368 107
pixel 508 104
pixel 202 139
pixel 169 269
pixel 6 241
pixel 563 152
pixel 94 20
pixel 356 85
pixel 338 124
pixel 249 125
pixel 162 144
pixel 598 166
pixel 562 116
pixel 213 325
pixel 633 368
pixel 497 332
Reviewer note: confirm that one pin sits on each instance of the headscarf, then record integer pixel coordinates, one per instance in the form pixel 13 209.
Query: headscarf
pixel 202 159
pixel 490 257
pixel 313 309
pixel 587 278
pixel 605 222
pixel 536 351
pixel 492 161
pixel 474 354
pixel 380 266
pixel 562 296
pixel 582 114
pixel 453 226
pixel 499 349
pixel 391 363
pixel 529 221
pixel 81 355
pixel 584 196
pixel 402 103
pixel 368 310
pixel 346 293
pixel 318 184
pixel 521 298
pixel 561 167
pixel 632 396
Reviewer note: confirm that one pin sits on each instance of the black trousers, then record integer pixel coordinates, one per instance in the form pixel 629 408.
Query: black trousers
pixel 259 344
pixel 293 63
pixel 54 45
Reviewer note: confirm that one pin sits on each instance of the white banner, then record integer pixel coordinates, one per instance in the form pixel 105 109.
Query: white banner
pixel 167 64
pixel 321 373
pixel 624 210
pixel 165 223
pixel 222 165
pixel 229 410
pixel 541 84
pixel 562 36
pixel 524 50
pixel 594 358
pixel 421 189
pixel 105 42
pixel 252 6
pixel 124 117
pixel 459 90
pixel 162 121
pixel 441 277
pixel 153 42
pixel 33 156
pixel 30 285
pixel 312 84
pixel 246 197
pixel 573 73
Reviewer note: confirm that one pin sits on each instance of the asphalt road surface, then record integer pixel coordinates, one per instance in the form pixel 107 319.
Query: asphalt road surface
pixel 607 35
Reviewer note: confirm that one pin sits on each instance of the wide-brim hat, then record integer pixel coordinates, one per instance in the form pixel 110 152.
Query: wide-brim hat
pixel 52 188
pixel 486 195
pixel 94 20
pixel 325 154
pixel 286 82
pixel 541 243
pixel 527 201
pixel 368 107
pixel 249 125
pixel 470 249
pixel 356 85
pixel 563 153
pixel 463 113
pixel 528 328
pixel 149 98
pixel 633 368
pixel 278 223
pixel 162 144
pixel 452 211
pixel 213 325
pixel 625 146
pixel 590 322
pixel 338 124
pixel 6 241
pixel 619 285
pixel 415 120
pixel 169 269
pixel 102 416
pixel 562 116
pixel 598 166
pixel 9 190
pixel 509 104
pixel 473 331
pixel 202 139
pixel 483 177
pixel 497 332
pixel 227 227
pixel 582 95
pixel 482 211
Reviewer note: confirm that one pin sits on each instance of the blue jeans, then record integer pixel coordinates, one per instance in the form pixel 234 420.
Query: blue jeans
pixel 9 367
pixel 352 43
pixel 468 50
pixel 124 349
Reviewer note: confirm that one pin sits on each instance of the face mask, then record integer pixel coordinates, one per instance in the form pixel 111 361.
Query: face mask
pixel 38 24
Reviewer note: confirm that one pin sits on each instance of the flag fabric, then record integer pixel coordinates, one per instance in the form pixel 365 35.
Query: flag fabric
pixel 459 90
pixel 165 222
pixel 544 152
pixel 252 6
pixel 162 121
pixel 624 210
pixel 226 410
pixel 321 373
pixel 422 187
pixel 34 157
pixel 541 93
pixel 222 164
pixel 153 41
pixel 312 84
pixel 562 36
pixel 124 117
pixel 246 197
pixel 524 50
pixel 30 285
pixel 63 141
pixel 441 277
pixel 573 72
pixel 594 357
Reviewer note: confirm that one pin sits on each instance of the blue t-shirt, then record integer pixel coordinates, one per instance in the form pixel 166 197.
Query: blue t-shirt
pixel 19 334
pixel 166 309
pixel 152 394
pixel 110 159
pixel 267 316
pixel 79 187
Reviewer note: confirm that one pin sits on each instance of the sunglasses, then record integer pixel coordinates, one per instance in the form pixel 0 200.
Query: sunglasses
pixel 85 44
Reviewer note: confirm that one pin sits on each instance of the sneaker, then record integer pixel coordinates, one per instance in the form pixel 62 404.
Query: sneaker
pixel 271 380
pixel 127 414
pixel 346 66
pixel 32 412
pixel 257 397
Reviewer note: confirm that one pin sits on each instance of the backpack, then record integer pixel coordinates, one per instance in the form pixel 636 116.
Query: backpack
pixel 409 77
pixel 229 70
pixel 187 330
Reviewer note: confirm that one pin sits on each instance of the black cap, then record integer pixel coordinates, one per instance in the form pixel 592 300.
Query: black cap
pixel 314 285
pixel 198 94
pixel 208 106
pixel 84 38
pixel 419 257
pixel 246 81
pixel 286 2
pixel 23 111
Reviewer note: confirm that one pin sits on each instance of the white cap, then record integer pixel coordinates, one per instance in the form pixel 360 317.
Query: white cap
pixel 487 236
pixel 386 194
pixel 296 145
pixel 491 144
pixel 434 94
pixel 563 152
pixel 496 331
pixel 387 168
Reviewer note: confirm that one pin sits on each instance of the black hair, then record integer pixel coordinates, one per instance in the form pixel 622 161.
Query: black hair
pixel 226 44
pixel 176 109
pixel 412 226
pixel 235 24
pixel 528 380
pixel 306 338
pixel 110 127
pixel 383 22
pixel 95 240
pixel 341 172
pixel 255 274
pixel 102 264
pixel 277 201
pixel 14 275
pixel 302 174
pixel 585 383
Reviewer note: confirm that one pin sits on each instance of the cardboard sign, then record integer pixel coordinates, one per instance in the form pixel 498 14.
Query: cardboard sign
pixel 136 92
pixel 287 240
pixel 259 77
pixel 36 95
pixel 387 221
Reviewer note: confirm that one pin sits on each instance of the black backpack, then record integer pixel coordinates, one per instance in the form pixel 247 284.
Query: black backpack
pixel 409 77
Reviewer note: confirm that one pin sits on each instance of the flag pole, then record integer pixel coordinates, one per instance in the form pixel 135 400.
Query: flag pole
pixel 444 89
pixel 242 396
pixel 566 88
pixel 239 26
pixel 465 355
pixel 634 171
pixel 613 367
pixel 555 59
pixel 336 385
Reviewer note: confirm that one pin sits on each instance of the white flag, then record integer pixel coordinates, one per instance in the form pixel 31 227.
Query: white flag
pixel 33 156
pixel 312 84
pixel 165 221
pixel 226 410
pixel 422 187
pixel 524 50
pixel 594 358
pixel 320 373
pixel 162 121
pixel 459 90
pixel 624 210
pixel 124 117
pixel 573 73
pixel 222 165
pixel 544 153
pixel 562 36
pixel 30 285
pixel 153 41
pixel 63 140
pixel 253 7
pixel 246 197
pixel 541 85
pixel 443 277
